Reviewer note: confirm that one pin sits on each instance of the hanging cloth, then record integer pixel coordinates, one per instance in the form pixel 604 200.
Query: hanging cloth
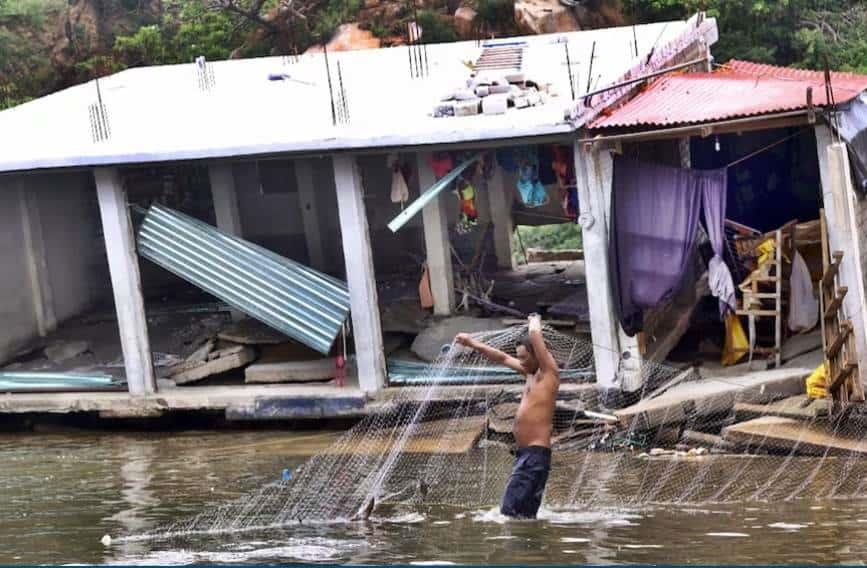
pixel 736 343
pixel 530 187
pixel 399 189
pixel 440 163
pixel 712 185
pixel 655 212
pixel 469 215
pixel 425 294
pixel 803 307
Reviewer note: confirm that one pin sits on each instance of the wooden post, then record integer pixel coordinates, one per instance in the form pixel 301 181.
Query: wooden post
pixel 313 234
pixel 225 198
pixel 840 204
pixel 436 241
pixel 499 198
pixel 37 269
pixel 366 328
pixel 125 281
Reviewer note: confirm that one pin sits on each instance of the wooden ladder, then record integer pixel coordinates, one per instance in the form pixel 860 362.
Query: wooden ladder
pixel 763 304
pixel 838 337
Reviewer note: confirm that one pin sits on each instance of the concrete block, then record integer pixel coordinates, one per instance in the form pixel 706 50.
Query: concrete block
pixel 495 104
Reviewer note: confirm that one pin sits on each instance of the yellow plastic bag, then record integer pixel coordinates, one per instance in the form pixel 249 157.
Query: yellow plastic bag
pixel 736 345
pixel 817 383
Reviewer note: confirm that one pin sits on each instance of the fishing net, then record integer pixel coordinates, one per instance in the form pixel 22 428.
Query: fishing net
pixel 441 444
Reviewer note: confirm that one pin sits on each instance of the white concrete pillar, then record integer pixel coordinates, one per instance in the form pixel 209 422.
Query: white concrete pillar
pixel 436 242
pixel 500 200
pixel 357 253
pixel 225 198
pixel 313 233
pixel 34 254
pixel 840 205
pixel 594 174
pixel 125 281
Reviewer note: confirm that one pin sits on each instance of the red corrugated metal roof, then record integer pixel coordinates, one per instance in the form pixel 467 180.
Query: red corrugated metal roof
pixel 737 89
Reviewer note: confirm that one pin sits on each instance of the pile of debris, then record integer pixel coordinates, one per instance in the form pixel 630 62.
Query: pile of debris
pixel 265 355
pixel 493 93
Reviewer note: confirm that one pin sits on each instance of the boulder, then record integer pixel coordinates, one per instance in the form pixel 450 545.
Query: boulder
pixel 544 17
pixel 465 22
pixel 349 37
pixel 429 343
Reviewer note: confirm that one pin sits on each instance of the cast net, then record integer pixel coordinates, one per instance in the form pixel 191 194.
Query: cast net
pixel 446 442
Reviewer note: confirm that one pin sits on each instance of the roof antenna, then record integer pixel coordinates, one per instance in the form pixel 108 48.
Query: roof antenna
pixel 98 114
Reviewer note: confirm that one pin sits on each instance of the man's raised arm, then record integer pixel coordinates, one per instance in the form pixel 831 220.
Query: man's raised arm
pixel 547 363
pixel 490 353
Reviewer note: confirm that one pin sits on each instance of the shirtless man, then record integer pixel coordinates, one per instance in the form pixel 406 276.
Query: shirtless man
pixel 534 420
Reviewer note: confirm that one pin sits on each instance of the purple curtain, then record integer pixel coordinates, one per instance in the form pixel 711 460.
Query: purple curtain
pixel 655 213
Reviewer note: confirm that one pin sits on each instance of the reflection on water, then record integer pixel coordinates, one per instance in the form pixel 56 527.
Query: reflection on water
pixel 61 493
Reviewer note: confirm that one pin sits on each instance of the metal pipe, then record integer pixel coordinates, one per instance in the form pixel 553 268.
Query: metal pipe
pixel 644 77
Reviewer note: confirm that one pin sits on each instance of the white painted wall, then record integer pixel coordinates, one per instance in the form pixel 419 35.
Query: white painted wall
pixel 74 256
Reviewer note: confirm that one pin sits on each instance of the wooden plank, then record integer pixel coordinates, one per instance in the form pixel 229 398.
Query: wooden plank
pixel 841 376
pixel 222 364
pixel 757 312
pixel 837 342
pixel 787 435
pixel 831 310
pixel 292 371
pixel 446 436
pixel 832 270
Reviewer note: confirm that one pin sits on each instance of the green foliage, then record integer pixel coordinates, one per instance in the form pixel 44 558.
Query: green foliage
pixel 782 32
pixel 496 14
pixel 334 13
pixel 548 237
pixel 434 28
pixel 33 11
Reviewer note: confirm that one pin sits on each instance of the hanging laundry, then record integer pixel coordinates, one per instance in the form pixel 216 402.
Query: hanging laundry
pixel 564 169
pixel 508 159
pixel 425 294
pixel 530 188
pixel 441 163
pixel 399 189
pixel 469 215
pixel 712 186
pixel 803 306
pixel 655 211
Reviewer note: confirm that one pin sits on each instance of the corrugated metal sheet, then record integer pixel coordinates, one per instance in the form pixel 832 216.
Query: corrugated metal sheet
pixel 26 381
pixel 738 89
pixel 296 300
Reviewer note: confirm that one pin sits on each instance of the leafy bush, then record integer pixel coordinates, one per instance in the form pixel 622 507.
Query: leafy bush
pixel 434 28
pixel 498 14
pixel 548 237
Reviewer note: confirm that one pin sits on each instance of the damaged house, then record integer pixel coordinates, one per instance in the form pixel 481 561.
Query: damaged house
pixel 292 237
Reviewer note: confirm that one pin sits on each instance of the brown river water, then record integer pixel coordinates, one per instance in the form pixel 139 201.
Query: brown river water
pixel 60 493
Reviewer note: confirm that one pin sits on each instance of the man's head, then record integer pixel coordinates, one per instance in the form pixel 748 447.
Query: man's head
pixel 526 355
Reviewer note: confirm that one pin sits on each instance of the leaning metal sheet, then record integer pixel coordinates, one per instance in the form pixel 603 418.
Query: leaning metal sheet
pixel 306 305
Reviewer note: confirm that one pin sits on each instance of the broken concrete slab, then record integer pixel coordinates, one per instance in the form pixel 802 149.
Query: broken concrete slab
pixel 710 397
pixel 200 355
pixel 429 342
pixel 799 407
pixel 64 350
pixel 293 371
pixel 405 316
pixel 224 361
pixel 251 332
pixel 787 435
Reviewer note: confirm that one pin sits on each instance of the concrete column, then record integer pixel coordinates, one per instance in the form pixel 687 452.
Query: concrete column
pixel 313 233
pixel 34 255
pixel 500 200
pixel 125 281
pixel 840 205
pixel 436 242
pixel 366 328
pixel 225 198
pixel 594 173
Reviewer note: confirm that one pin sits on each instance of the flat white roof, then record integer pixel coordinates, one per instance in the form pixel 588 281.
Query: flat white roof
pixel 159 113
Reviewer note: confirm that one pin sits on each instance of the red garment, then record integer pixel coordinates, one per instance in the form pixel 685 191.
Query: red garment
pixel 441 164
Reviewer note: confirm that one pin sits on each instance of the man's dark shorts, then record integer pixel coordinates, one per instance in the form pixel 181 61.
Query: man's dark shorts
pixel 523 494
